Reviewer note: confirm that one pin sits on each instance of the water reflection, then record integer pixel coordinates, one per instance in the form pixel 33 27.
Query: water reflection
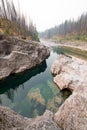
pixel 18 79
pixel 10 94
pixel 10 85
pixel 58 50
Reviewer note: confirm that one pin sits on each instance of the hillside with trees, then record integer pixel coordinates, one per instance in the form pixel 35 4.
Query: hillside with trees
pixel 70 29
pixel 14 23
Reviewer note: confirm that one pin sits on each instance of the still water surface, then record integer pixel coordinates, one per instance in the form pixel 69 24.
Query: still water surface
pixel 33 91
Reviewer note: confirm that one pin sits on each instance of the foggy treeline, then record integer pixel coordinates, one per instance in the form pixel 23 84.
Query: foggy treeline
pixel 8 11
pixel 69 27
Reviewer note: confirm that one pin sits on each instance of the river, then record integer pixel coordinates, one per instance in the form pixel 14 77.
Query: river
pixel 32 92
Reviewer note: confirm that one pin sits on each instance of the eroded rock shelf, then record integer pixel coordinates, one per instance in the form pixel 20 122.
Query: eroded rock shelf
pixel 71 73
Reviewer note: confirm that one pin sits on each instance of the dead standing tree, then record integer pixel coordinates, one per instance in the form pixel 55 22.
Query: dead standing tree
pixel 4 9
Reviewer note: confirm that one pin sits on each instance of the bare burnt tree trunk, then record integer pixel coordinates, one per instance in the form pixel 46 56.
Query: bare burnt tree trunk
pixel 3 6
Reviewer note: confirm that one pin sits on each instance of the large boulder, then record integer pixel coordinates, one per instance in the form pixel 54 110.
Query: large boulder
pixel 72 115
pixel 18 55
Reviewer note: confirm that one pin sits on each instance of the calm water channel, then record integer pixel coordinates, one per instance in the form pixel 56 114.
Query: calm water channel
pixel 33 91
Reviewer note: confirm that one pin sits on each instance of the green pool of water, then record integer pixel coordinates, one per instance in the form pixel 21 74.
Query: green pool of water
pixel 33 91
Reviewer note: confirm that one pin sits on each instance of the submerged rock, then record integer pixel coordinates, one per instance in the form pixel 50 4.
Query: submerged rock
pixel 18 55
pixel 53 104
pixel 36 102
pixel 10 120
pixel 72 115
pixel 35 96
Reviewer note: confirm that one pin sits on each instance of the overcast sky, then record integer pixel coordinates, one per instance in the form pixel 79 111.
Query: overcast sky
pixel 48 13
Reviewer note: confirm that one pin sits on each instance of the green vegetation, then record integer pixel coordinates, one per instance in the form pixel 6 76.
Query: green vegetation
pixel 69 30
pixel 14 23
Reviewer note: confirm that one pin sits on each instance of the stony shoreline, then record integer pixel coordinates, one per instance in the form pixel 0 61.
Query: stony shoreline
pixel 78 44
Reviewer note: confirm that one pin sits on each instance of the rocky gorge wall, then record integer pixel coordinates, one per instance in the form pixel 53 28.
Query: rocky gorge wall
pixel 70 73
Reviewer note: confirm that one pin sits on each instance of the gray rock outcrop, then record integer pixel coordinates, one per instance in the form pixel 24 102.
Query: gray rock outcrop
pixel 18 55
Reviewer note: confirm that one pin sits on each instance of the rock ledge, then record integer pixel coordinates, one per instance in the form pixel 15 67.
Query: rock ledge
pixel 18 55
